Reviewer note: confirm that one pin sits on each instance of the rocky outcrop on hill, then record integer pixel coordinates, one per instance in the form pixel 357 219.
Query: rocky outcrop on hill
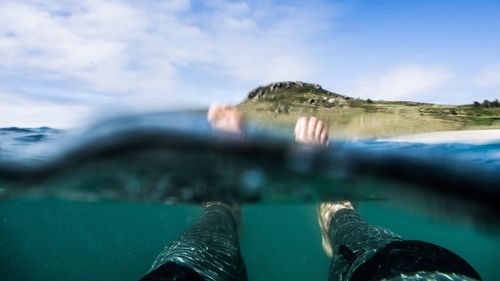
pixel 262 91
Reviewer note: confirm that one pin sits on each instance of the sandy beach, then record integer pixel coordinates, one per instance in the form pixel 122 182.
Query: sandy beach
pixel 469 136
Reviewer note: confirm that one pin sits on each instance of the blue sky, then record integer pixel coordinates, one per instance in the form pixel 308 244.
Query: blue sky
pixel 65 61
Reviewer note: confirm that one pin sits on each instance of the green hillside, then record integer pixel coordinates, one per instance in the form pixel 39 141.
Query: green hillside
pixel 283 102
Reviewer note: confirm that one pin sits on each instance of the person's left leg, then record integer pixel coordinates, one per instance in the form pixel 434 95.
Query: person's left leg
pixel 207 251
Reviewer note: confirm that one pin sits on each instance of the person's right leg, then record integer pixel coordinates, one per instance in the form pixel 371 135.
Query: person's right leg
pixel 351 239
pixel 366 252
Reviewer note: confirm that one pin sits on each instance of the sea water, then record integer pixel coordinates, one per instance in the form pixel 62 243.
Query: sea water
pixel 105 219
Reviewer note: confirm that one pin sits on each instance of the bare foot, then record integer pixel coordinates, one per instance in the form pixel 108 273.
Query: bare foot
pixel 311 130
pixel 225 118
pixel 325 214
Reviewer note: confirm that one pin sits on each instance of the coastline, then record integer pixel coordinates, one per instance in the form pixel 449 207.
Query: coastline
pixel 466 136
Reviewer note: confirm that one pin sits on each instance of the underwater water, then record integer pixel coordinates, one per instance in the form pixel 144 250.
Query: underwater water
pixel 101 203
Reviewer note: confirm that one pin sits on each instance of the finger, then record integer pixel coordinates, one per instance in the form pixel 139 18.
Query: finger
pixel 320 126
pixel 300 128
pixel 311 126
pixel 296 129
pixel 215 112
pixel 212 111
pixel 298 125
pixel 324 136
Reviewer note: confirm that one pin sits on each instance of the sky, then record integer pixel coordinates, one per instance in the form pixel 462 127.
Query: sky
pixel 65 62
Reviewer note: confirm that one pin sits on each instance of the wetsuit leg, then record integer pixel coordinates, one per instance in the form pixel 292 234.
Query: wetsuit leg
pixel 171 271
pixel 354 241
pixel 209 249
pixel 365 252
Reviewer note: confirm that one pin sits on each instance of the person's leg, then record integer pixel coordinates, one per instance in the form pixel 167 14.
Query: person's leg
pixel 365 252
pixel 207 251
pixel 351 240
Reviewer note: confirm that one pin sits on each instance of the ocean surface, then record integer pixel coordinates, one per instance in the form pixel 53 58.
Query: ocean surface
pixel 100 203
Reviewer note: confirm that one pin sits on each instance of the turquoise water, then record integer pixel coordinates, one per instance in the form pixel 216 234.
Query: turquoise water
pixel 91 206
pixel 57 240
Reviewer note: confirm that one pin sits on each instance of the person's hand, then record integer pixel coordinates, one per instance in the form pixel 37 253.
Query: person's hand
pixel 311 130
pixel 225 118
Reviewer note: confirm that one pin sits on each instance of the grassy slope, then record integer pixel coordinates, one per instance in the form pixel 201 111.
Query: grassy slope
pixel 349 117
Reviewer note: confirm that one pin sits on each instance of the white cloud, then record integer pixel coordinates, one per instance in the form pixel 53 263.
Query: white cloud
pixel 489 78
pixel 93 44
pixel 19 111
pixel 142 53
pixel 410 82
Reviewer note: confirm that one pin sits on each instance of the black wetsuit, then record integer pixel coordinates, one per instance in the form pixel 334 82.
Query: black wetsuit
pixel 210 251
pixel 366 252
